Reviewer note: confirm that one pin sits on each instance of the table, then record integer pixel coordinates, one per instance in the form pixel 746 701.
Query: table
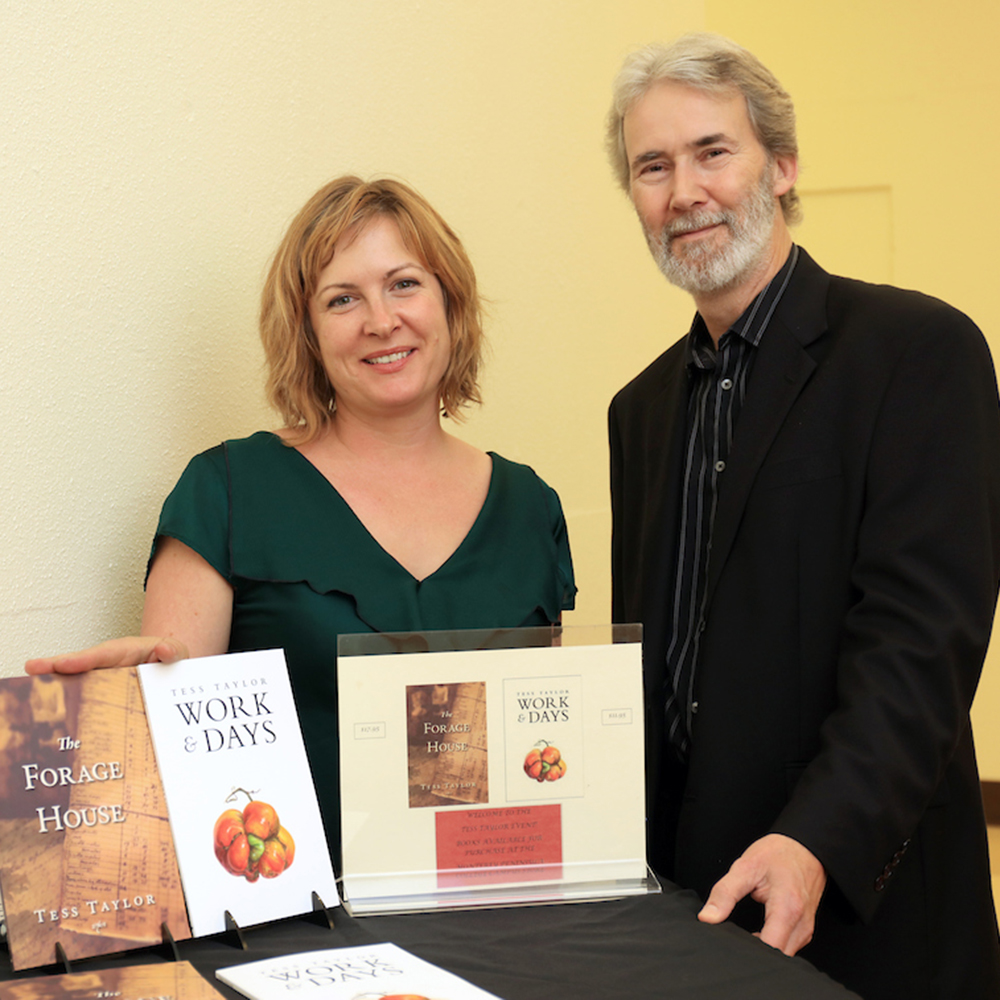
pixel 639 948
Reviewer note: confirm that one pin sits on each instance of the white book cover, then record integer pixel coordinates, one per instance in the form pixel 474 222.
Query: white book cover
pixel 366 972
pixel 246 824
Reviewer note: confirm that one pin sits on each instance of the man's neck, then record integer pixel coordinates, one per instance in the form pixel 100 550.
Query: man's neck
pixel 721 309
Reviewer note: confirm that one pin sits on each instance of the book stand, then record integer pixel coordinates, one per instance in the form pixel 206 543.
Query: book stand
pixel 320 914
pixel 233 935
pixel 167 947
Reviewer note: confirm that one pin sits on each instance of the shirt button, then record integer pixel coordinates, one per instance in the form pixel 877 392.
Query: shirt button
pixel 694 708
pixel 720 466
pixel 726 383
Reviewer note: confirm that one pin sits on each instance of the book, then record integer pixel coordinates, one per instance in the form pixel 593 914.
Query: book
pixel 447 749
pixel 246 824
pixel 364 972
pixel 86 855
pixel 164 981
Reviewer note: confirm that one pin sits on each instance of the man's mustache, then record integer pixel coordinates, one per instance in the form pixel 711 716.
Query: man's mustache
pixel 689 223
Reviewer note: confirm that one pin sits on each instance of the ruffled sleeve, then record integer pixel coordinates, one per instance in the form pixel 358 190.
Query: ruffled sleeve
pixel 564 560
pixel 197 511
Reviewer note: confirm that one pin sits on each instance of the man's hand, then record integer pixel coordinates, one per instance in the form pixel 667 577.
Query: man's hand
pixel 129 651
pixel 783 875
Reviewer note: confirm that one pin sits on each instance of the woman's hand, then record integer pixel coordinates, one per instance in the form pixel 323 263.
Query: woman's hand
pixel 129 651
pixel 184 596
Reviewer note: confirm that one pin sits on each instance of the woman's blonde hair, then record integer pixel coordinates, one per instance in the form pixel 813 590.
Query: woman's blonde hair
pixel 297 383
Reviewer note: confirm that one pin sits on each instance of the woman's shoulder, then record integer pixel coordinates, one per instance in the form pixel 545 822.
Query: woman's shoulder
pixel 518 475
pixel 260 444
pixel 517 487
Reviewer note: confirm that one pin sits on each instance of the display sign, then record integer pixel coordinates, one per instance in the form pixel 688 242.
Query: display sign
pixel 490 775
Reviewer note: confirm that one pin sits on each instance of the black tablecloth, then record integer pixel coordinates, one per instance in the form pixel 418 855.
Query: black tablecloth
pixel 639 948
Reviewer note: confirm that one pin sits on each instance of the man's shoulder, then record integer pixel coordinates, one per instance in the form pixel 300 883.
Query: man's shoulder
pixel 854 304
pixel 850 295
pixel 874 324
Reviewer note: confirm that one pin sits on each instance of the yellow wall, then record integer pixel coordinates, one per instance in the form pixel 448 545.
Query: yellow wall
pixel 151 155
pixel 899 146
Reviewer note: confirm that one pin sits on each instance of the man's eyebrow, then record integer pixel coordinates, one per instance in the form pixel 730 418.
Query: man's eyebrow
pixel 711 140
pixel 652 154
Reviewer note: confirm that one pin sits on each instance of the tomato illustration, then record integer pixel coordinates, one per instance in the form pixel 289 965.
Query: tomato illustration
pixel 544 762
pixel 390 996
pixel 252 843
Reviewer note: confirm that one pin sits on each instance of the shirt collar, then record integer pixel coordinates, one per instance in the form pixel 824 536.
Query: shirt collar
pixel 752 321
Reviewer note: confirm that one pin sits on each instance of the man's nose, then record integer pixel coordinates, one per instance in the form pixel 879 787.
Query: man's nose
pixel 686 191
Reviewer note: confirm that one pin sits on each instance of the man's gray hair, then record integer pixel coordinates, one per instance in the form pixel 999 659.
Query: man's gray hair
pixel 715 65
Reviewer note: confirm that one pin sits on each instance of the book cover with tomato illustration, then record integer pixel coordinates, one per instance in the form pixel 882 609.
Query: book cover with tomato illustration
pixel 366 972
pixel 545 742
pixel 163 981
pixel 86 854
pixel 243 808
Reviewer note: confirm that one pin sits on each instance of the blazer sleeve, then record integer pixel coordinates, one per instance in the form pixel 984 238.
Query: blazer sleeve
pixel 924 586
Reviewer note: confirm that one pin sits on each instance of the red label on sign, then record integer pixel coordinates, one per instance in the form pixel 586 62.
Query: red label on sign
pixel 510 844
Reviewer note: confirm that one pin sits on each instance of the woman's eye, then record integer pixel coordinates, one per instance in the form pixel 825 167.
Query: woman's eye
pixel 405 283
pixel 339 302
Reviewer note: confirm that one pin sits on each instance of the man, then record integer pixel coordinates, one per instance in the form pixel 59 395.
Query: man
pixel 806 500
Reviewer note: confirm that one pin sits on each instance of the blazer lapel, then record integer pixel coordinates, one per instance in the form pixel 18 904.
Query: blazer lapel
pixel 781 370
pixel 668 411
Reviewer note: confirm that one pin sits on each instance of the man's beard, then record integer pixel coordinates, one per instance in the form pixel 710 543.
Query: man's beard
pixel 700 267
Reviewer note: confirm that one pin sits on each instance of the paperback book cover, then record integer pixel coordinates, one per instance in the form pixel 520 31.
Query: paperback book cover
pixel 446 744
pixel 367 972
pixel 243 809
pixel 86 856
pixel 164 981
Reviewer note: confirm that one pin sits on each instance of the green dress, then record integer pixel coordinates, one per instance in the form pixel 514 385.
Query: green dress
pixel 304 569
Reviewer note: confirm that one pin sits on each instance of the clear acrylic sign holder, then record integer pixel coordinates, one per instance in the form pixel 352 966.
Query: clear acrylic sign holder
pixel 491 768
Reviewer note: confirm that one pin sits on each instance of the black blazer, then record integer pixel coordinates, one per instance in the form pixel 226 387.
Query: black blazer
pixel 851 588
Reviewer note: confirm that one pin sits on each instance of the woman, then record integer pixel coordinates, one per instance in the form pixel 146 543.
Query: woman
pixel 362 513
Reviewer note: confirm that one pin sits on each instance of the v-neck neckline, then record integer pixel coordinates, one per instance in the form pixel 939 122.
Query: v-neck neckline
pixel 366 531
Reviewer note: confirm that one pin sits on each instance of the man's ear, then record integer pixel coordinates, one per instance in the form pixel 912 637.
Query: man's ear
pixel 786 172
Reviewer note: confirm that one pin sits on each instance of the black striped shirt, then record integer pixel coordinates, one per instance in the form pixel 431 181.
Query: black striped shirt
pixel 717 380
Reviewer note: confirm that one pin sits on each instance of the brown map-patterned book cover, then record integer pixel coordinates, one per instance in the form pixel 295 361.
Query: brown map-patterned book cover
pixel 165 981
pixel 446 744
pixel 86 855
